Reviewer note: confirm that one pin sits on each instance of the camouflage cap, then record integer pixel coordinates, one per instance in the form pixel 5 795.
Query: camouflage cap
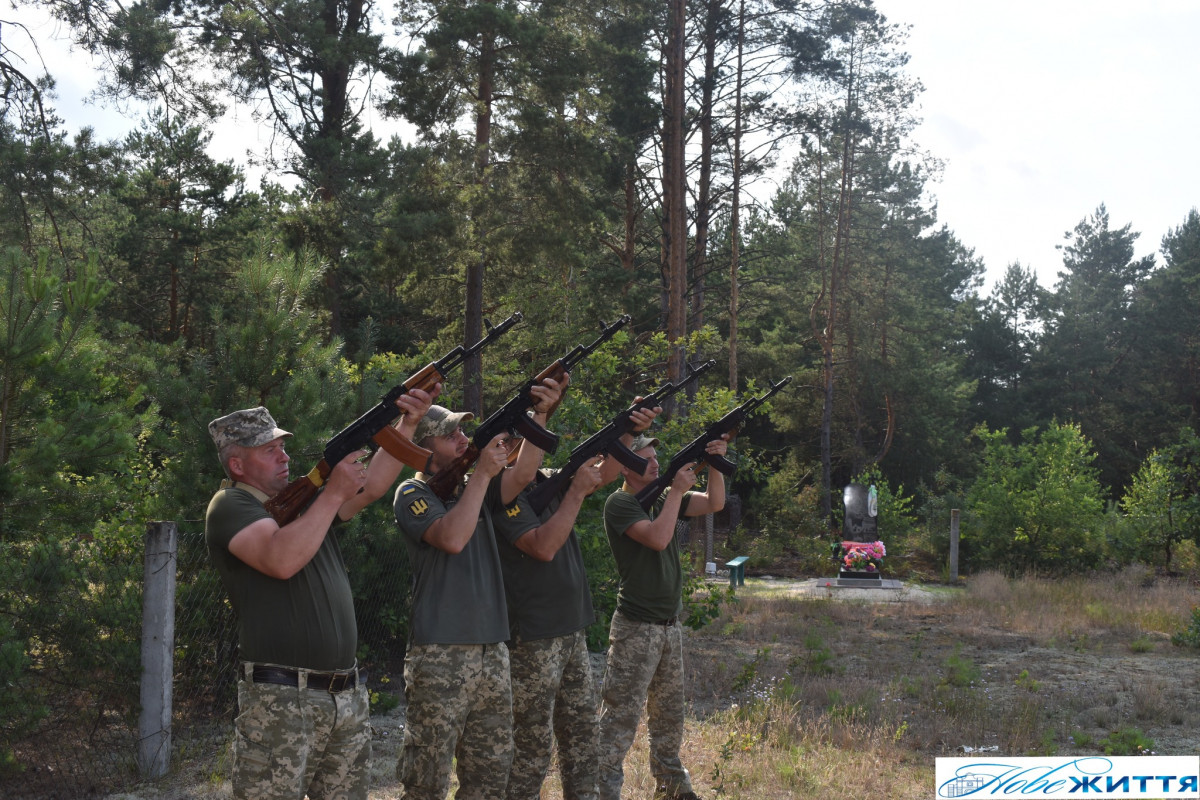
pixel 440 421
pixel 249 427
pixel 642 441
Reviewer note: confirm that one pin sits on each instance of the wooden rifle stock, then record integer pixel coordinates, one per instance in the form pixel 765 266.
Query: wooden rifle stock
pixel 374 429
pixel 287 504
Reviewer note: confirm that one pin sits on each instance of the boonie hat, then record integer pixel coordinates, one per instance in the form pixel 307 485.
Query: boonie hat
pixel 440 421
pixel 249 427
pixel 643 440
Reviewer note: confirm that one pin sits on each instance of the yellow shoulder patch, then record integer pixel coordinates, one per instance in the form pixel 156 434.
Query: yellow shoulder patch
pixel 418 507
pixel 513 510
pixel 407 490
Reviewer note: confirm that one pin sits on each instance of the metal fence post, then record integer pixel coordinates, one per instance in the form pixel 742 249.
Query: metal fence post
pixel 158 641
pixel 954 545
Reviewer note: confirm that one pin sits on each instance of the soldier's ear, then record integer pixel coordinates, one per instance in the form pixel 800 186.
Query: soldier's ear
pixel 234 465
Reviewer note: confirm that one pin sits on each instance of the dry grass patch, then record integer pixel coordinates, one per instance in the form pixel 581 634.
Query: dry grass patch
pixel 821 697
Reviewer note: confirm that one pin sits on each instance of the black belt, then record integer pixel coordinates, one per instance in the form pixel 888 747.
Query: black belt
pixel 666 623
pixel 332 682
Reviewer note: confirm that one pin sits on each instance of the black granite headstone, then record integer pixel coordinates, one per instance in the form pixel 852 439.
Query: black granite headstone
pixel 860 523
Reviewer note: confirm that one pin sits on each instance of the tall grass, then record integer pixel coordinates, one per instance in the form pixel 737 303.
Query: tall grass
pixel 795 697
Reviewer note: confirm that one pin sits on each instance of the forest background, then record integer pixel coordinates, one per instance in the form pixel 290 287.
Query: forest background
pixel 574 162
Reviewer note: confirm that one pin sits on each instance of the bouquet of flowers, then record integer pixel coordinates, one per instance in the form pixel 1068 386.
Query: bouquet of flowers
pixel 863 556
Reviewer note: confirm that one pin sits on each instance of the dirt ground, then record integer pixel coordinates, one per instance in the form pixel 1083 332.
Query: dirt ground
pixel 1087 684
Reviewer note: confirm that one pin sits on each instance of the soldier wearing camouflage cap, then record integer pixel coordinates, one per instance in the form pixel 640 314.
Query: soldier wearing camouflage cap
pixel 645 655
pixel 303 710
pixel 456 668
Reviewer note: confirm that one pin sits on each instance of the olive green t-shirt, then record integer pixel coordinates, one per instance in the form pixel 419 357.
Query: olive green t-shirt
pixel 651 587
pixel 306 621
pixel 545 598
pixel 456 598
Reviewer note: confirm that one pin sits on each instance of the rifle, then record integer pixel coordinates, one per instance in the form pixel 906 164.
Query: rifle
pixel 374 429
pixel 608 440
pixel 694 451
pixel 513 419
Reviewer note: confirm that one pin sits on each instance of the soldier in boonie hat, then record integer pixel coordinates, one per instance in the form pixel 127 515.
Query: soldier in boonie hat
pixel 440 421
pixel 249 427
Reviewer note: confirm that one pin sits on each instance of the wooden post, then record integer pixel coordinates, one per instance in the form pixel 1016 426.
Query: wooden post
pixel 708 538
pixel 158 641
pixel 954 546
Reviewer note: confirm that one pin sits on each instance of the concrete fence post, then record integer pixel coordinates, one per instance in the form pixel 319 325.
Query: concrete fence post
pixel 954 545
pixel 158 642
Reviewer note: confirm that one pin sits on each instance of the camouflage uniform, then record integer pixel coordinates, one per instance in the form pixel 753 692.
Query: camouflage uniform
pixel 645 655
pixel 459 706
pixel 289 740
pixel 456 669
pixel 553 691
pixel 549 608
pixel 645 665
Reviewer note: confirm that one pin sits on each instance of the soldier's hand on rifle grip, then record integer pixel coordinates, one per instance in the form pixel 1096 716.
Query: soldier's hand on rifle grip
pixel 587 479
pixel 718 447
pixel 493 458
pixel 685 478
pixel 640 419
pixel 348 477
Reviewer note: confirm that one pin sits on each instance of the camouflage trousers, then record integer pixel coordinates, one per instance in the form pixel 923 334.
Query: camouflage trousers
pixel 292 740
pixel 459 706
pixel 553 699
pixel 645 666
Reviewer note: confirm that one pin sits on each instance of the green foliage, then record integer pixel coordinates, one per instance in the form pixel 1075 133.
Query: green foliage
pixel 818 658
pixel 269 349
pixel 75 483
pixel 601 569
pixel 20 711
pixel 1126 742
pixel 702 600
pixel 1028 682
pixel 787 509
pixel 1036 505
pixel 748 674
pixel 1189 636
pixel 1162 504
pixel 960 672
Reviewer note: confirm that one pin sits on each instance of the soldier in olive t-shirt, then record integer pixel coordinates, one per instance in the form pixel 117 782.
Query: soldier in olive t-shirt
pixel 307 620
pixel 303 711
pixel 645 655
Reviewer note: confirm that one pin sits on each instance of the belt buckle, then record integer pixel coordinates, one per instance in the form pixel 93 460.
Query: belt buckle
pixel 340 682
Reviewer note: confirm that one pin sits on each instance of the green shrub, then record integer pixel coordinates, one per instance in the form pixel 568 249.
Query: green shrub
pixel 1189 636
pixel 1037 506
pixel 1126 742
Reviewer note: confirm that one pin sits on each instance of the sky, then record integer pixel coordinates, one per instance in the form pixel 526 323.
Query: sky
pixel 1041 110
